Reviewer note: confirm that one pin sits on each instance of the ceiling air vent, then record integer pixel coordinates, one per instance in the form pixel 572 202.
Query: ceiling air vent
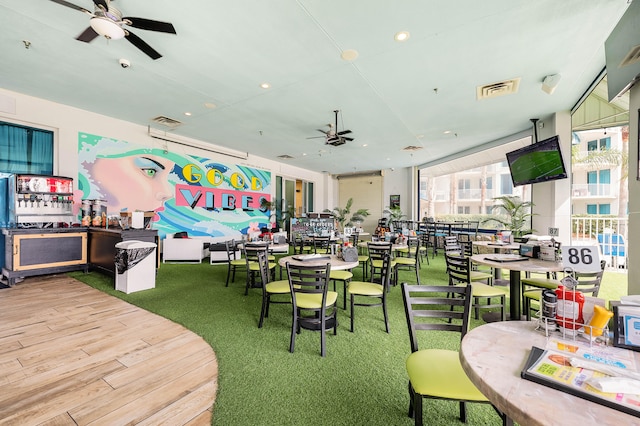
pixel 500 88
pixel 166 121
pixel 412 148
pixel 285 157
pixel 632 57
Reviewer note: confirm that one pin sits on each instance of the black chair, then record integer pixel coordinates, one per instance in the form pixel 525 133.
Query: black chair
pixel 588 284
pixel 363 259
pixel 322 245
pixel 253 268
pixel 461 274
pixel 365 292
pixel 410 262
pixel 269 287
pixel 437 373
pixel 232 262
pixel 377 252
pixel 314 306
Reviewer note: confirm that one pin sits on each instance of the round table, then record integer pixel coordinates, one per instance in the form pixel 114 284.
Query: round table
pixel 515 268
pixel 493 356
pixel 497 248
pixel 336 263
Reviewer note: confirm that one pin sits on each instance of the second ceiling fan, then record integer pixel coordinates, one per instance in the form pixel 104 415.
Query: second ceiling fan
pixel 333 136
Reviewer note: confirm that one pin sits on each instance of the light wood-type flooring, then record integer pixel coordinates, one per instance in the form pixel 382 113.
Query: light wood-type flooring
pixel 72 355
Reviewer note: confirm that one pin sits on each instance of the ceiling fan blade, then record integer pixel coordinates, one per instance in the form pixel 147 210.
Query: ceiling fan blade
pixel 323 131
pixel 151 25
pixel 344 132
pixel 87 35
pixel 101 3
pixel 316 137
pixel 347 139
pixel 72 6
pixel 142 45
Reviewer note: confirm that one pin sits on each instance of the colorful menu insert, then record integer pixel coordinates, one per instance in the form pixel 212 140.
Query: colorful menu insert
pixel 553 368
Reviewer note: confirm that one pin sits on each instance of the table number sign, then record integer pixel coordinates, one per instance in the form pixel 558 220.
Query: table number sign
pixel 581 258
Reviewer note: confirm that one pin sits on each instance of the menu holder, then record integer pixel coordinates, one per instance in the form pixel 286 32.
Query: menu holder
pixel 506 258
pixel 307 257
pixel 553 369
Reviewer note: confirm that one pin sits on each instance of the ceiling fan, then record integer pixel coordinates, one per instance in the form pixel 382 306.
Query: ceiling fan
pixel 332 136
pixel 107 21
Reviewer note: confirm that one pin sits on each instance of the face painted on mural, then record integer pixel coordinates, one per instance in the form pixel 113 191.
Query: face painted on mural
pixel 134 182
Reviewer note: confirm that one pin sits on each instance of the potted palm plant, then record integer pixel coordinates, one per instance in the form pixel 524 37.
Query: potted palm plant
pixel 514 214
pixel 341 215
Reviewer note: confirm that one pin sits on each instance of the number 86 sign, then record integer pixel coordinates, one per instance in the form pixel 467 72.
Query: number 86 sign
pixel 581 258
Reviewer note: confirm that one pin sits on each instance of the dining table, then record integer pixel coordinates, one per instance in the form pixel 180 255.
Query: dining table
pixel 516 264
pixel 497 247
pixel 317 260
pixel 493 356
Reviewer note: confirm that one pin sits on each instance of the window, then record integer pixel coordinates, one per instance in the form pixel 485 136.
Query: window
pixel 605 143
pixel 592 145
pixel 592 209
pixel 604 209
pixel 489 182
pixel 464 184
pixel 464 210
pixel 25 149
pixel 506 184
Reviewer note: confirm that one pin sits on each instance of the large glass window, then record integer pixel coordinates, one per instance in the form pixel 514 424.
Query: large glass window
pixel 604 208
pixel 25 149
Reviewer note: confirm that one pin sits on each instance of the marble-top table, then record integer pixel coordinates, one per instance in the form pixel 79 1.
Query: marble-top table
pixel 493 355
pixel 335 261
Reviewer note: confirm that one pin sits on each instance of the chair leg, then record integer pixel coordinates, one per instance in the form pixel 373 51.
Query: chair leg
pixel 344 294
pixel 417 406
pixel 323 336
pixel 263 311
pixel 228 275
pixel 410 414
pixel 352 311
pixel 294 328
pixel 463 412
pixel 386 317
pixel 527 308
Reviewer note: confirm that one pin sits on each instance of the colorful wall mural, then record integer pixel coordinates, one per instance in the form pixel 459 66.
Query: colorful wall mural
pixel 187 193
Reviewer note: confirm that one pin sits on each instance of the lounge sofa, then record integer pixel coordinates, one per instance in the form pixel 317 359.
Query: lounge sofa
pixel 181 247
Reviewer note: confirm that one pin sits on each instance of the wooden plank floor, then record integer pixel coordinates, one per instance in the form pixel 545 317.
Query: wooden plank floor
pixel 72 355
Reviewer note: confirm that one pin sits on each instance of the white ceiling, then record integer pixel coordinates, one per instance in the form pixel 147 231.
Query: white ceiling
pixel 391 96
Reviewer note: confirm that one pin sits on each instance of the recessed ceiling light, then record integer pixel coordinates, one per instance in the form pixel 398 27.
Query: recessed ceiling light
pixel 446 132
pixel 209 105
pixel 365 145
pixel 402 36
pixel 265 85
pixel 188 114
pixel 419 136
pixel 349 54
pixel 304 153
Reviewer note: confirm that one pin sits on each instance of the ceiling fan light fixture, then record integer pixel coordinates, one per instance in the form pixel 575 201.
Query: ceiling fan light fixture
pixel 107 28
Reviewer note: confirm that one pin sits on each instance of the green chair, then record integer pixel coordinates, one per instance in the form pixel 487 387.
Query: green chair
pixel 345 278
pixel 253 268
pixel 314 306
pixel 232 263
pixel 377 251
pixel 410 262
pixel 371 294
pixel 588 284
pixel 461 274
pixel 363 259
pixel 437 373
pixel 270 288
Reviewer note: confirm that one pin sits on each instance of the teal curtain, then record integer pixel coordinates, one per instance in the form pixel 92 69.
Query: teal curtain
pixel 13 148
pixel 42 152
pixel 25 150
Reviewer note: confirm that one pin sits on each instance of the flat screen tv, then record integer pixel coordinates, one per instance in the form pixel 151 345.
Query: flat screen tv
pixel 539 162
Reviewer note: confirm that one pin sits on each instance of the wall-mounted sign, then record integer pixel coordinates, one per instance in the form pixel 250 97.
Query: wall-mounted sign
pixel 394 201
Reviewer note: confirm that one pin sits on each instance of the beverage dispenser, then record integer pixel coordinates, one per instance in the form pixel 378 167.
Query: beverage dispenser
pixel 38 201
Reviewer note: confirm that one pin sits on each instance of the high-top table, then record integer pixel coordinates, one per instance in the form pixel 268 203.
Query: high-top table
pixel 497 247
pixel 515 268
pixel 493 355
